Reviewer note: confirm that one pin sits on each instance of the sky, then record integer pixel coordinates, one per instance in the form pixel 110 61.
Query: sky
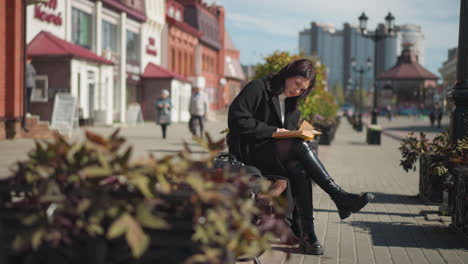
pixel 259 27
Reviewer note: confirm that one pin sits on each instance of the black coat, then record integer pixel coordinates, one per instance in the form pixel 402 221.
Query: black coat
pixel 255 114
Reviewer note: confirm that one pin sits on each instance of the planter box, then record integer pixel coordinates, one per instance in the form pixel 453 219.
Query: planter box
pixel 430 185
pixel 460 199
pixel 373 136
pixel 327 135
pixel 173 245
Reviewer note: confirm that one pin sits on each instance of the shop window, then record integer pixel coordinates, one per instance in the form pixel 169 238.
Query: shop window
pixel 171 12
pixel 133 47
pixel 82 28
pixel 178 16
pixel 40 93
pixel 109 37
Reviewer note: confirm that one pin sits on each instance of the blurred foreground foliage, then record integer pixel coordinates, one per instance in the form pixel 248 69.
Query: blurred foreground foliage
pixel 65 193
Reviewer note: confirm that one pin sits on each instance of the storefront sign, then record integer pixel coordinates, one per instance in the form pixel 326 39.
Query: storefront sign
pixel 64 113
pixel 151 47
pixel 44 12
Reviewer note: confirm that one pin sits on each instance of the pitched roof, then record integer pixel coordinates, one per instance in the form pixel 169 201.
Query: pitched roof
pixel 153 71
pixel 45 43
pixel 228 43
pixel 232 66
pixel 407 68
pixel 233 69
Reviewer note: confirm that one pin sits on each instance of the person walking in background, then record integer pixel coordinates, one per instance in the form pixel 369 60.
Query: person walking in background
pixel 438 114
pixel 163 111
pixel 432 117
pixel 198 108
pixel 29 87
pixel 389 112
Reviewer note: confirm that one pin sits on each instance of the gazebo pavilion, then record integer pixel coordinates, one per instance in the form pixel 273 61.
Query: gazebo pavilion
pixel 407 84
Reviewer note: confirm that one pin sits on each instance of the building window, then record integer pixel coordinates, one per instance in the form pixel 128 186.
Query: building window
pixel 133 47
pixel 173 62
pixel 178 16
pixel 109 37
pixel 82 28
pixel 40 93
pixel 171 12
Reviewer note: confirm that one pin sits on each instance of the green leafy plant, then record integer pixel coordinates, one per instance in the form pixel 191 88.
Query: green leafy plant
pixel 66 193
pixel 446 155
pixel 320 106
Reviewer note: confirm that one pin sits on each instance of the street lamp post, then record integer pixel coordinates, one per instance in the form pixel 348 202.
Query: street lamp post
pixel 389 23
pixel 459 94
pixel 361 69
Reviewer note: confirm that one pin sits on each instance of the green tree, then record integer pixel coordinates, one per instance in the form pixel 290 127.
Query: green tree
pixel 274 63
pixel 364 98
pixel 320 105
pixel 338 92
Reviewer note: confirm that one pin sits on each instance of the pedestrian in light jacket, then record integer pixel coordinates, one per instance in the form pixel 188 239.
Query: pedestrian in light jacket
pixel 198 109
pixel 163 111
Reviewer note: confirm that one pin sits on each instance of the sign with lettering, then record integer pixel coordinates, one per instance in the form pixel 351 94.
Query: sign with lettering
pixel 134 115
pixel 64 112
pixel 151 47
pixel 45 12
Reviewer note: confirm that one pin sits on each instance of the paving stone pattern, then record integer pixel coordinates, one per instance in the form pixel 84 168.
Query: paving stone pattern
pixel 395 228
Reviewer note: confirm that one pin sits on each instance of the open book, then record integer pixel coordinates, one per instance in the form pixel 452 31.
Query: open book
pixel 306 131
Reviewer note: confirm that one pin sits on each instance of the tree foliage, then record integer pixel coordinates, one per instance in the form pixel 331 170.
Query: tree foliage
pixel 320 106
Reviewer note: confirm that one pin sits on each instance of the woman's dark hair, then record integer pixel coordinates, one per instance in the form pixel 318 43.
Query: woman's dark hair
pixel 301 67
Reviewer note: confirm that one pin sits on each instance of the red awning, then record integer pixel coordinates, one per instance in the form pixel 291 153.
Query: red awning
pixel 153 71
pixel 45 43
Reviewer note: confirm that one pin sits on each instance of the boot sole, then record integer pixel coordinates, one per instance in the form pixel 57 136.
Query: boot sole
pixel 364 200
pixel 315 251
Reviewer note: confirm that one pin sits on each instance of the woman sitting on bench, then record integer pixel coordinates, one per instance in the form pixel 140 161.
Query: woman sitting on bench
pixel 270 105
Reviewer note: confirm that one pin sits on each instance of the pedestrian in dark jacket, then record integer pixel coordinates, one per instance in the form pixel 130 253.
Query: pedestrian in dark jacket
pixel 163 111
pixel 270 105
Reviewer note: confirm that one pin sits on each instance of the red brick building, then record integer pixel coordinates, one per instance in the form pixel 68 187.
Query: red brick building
pixel 209 20
pixel 183 40
pixel 12 63
pixel 232 72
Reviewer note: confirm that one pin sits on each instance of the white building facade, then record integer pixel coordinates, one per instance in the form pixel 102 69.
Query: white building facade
pixel 112 30
pixel 90 81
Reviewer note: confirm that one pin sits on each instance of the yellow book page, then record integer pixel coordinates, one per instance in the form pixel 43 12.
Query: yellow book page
pixel 306 131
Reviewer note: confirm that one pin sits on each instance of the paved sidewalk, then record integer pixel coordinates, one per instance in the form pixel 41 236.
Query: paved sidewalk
pixel 145 139
pixel 395 228
pixel 399 127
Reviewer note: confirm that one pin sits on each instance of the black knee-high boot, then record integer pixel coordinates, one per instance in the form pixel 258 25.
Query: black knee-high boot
pixel 302 192
pixel 346 203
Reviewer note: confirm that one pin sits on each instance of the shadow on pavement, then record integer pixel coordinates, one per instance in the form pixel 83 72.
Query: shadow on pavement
pixel 426 129
pixel 287 249
pixel 390 198
pixel 372 213
pixel 398 234
pixel 358 143
pixel 175 151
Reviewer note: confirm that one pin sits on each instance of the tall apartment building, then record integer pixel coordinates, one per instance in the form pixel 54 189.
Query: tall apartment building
pixel 413 35
pixel 336 48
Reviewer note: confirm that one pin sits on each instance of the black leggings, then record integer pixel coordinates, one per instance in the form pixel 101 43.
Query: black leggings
pixel 196 122
pixel 164 128
pixel 274 157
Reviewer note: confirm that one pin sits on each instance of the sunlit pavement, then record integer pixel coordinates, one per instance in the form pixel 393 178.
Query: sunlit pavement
pixel 395 228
